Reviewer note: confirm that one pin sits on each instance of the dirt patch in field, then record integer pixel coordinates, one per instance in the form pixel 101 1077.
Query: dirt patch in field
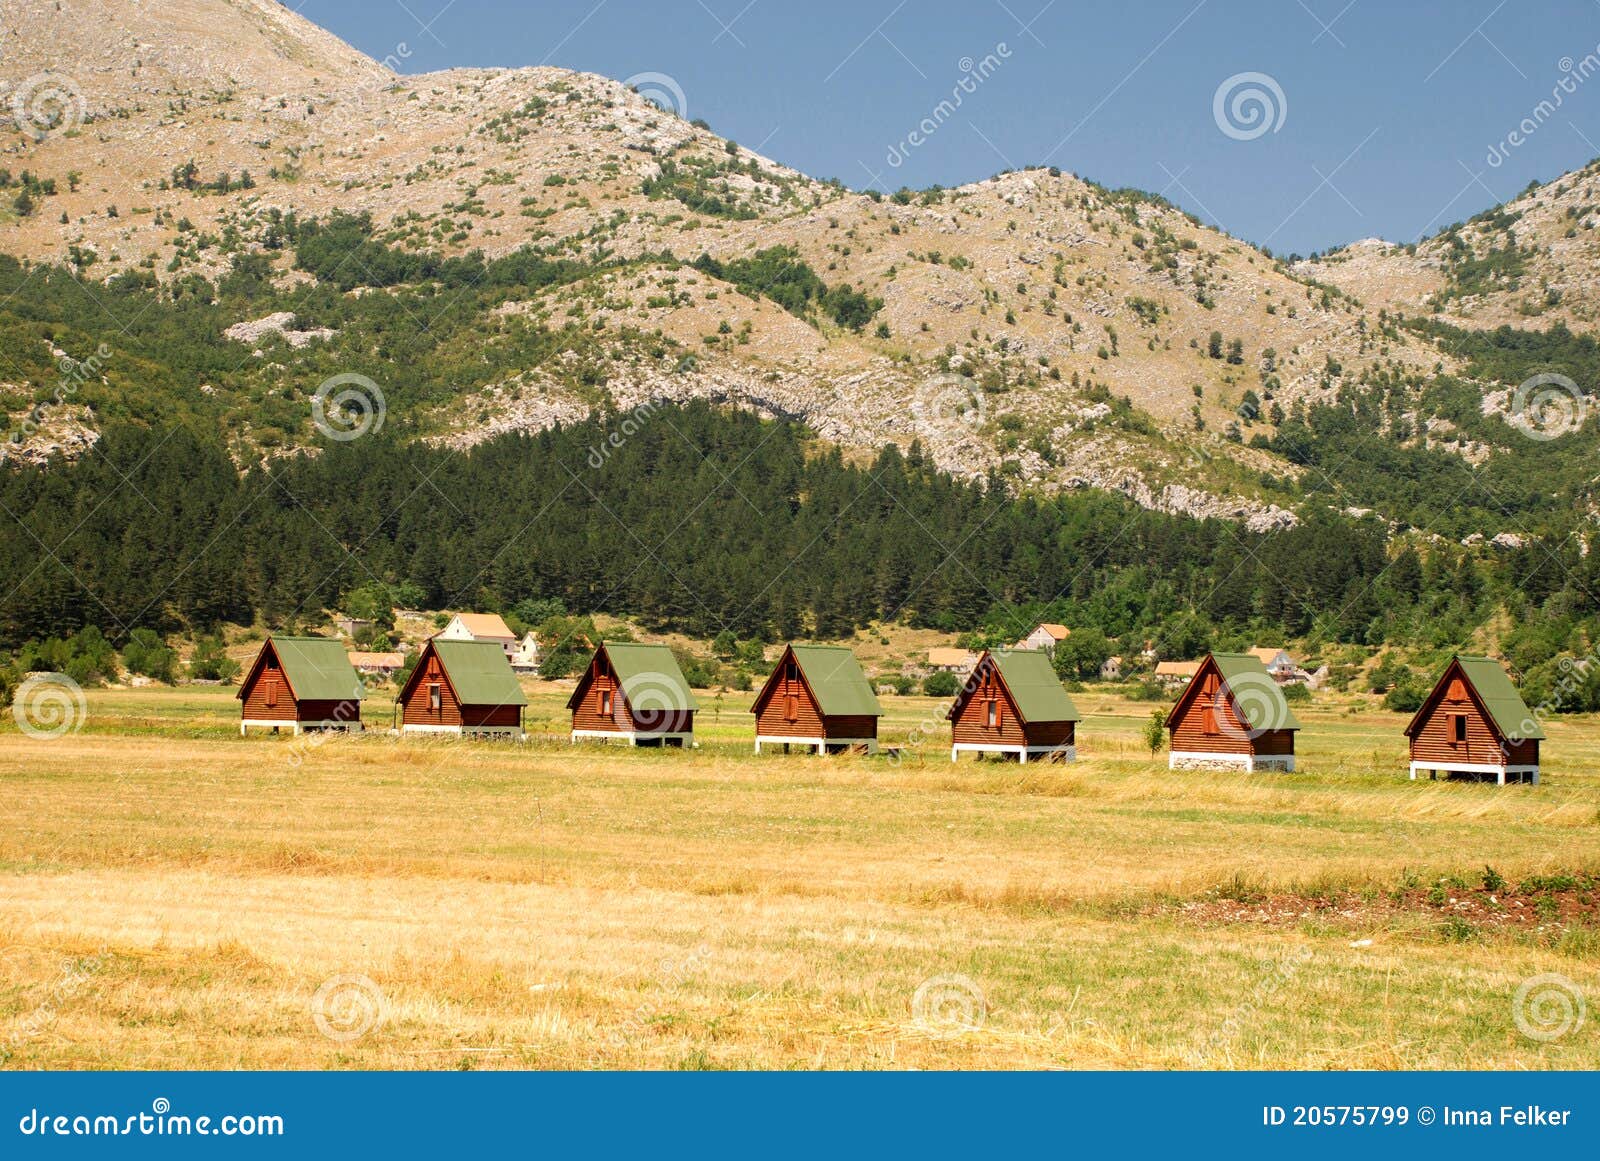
pixel 1553 903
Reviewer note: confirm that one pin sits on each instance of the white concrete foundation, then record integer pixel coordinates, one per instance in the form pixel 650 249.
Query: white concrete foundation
pixel 298 728
pixel 637 737
pixel 1500 772
pixel 820 745
pixel 1024 753
pixel 468 731
pixel 1249 763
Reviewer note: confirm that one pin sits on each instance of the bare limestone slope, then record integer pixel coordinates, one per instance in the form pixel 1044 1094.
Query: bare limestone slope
pixel 1016 311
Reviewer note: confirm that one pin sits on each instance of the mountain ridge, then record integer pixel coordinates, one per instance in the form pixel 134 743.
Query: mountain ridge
pixel 1074 335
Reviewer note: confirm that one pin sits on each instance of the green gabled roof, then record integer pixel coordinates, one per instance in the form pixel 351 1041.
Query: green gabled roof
pixel 1256 696
pixel 317 669
pixel 835 677
pixel 1034 686
pixel 650 677
pixel 1500 698
pixel 479 672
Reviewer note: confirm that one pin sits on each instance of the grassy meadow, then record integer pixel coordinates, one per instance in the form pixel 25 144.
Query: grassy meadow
pixel 173 896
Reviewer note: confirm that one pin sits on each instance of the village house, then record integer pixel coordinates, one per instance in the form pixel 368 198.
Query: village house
pixel 1474 722
pixel 1014 705
pixel 525 657
pixel 1111 668
pixel 1232 713
pixel 304 683
pixel 635 693
pixel 377 664
pixel 480 627
pixel 957 661
pixel 1282 668
pixel 1174 673
pixel 817 696
pixel 461 687
pixel 1045 636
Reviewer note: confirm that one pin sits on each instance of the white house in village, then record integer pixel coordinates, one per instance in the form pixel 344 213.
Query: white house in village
pixel 481 627
pixel 1283 668
pixel 1045 636
pixel 525 659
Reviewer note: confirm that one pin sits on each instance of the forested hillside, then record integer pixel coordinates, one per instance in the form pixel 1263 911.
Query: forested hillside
pixel 704 520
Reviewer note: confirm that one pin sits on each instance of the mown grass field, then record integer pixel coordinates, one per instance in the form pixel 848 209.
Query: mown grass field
pixel 174 896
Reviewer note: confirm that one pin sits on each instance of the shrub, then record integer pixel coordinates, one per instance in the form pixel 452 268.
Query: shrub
pixel 940 685
pixel 210 663
pixel 1406 697
pixel 147 654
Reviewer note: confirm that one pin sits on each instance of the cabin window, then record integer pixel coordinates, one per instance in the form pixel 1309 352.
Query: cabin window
pixel 435 697
pixel 272 691
pixel 791 672
pixel 605 701
pixel 1208 719
pixel 791 708
pixel 991 710
pixel 1458 728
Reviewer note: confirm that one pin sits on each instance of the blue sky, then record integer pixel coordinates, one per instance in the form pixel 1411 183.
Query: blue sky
pixel 1385 125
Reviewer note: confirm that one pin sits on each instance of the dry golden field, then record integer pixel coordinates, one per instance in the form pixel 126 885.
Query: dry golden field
pixel 174 896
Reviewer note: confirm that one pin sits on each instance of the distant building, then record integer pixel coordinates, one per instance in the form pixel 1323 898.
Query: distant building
pixel 378 664
pixel 304 683
pixel 1176 672
pixel 1045 636
pixel 525 658
pixel 634 693
pixel 461 687
pixel 1015 705
pixel 1111 669
pixel 350 626
pixel 1279 665
pixel 480 627
pixel 819 697
pixel 1475 722
pixel 1232 713
pixel 958 661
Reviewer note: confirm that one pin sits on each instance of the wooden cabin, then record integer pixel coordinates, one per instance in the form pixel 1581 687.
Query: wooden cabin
pixel 636 693
pixel 1232 714
pixel 1014 704
pixel 1475 722
pixel 462 687
pixel 304 683
pixel 818 696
